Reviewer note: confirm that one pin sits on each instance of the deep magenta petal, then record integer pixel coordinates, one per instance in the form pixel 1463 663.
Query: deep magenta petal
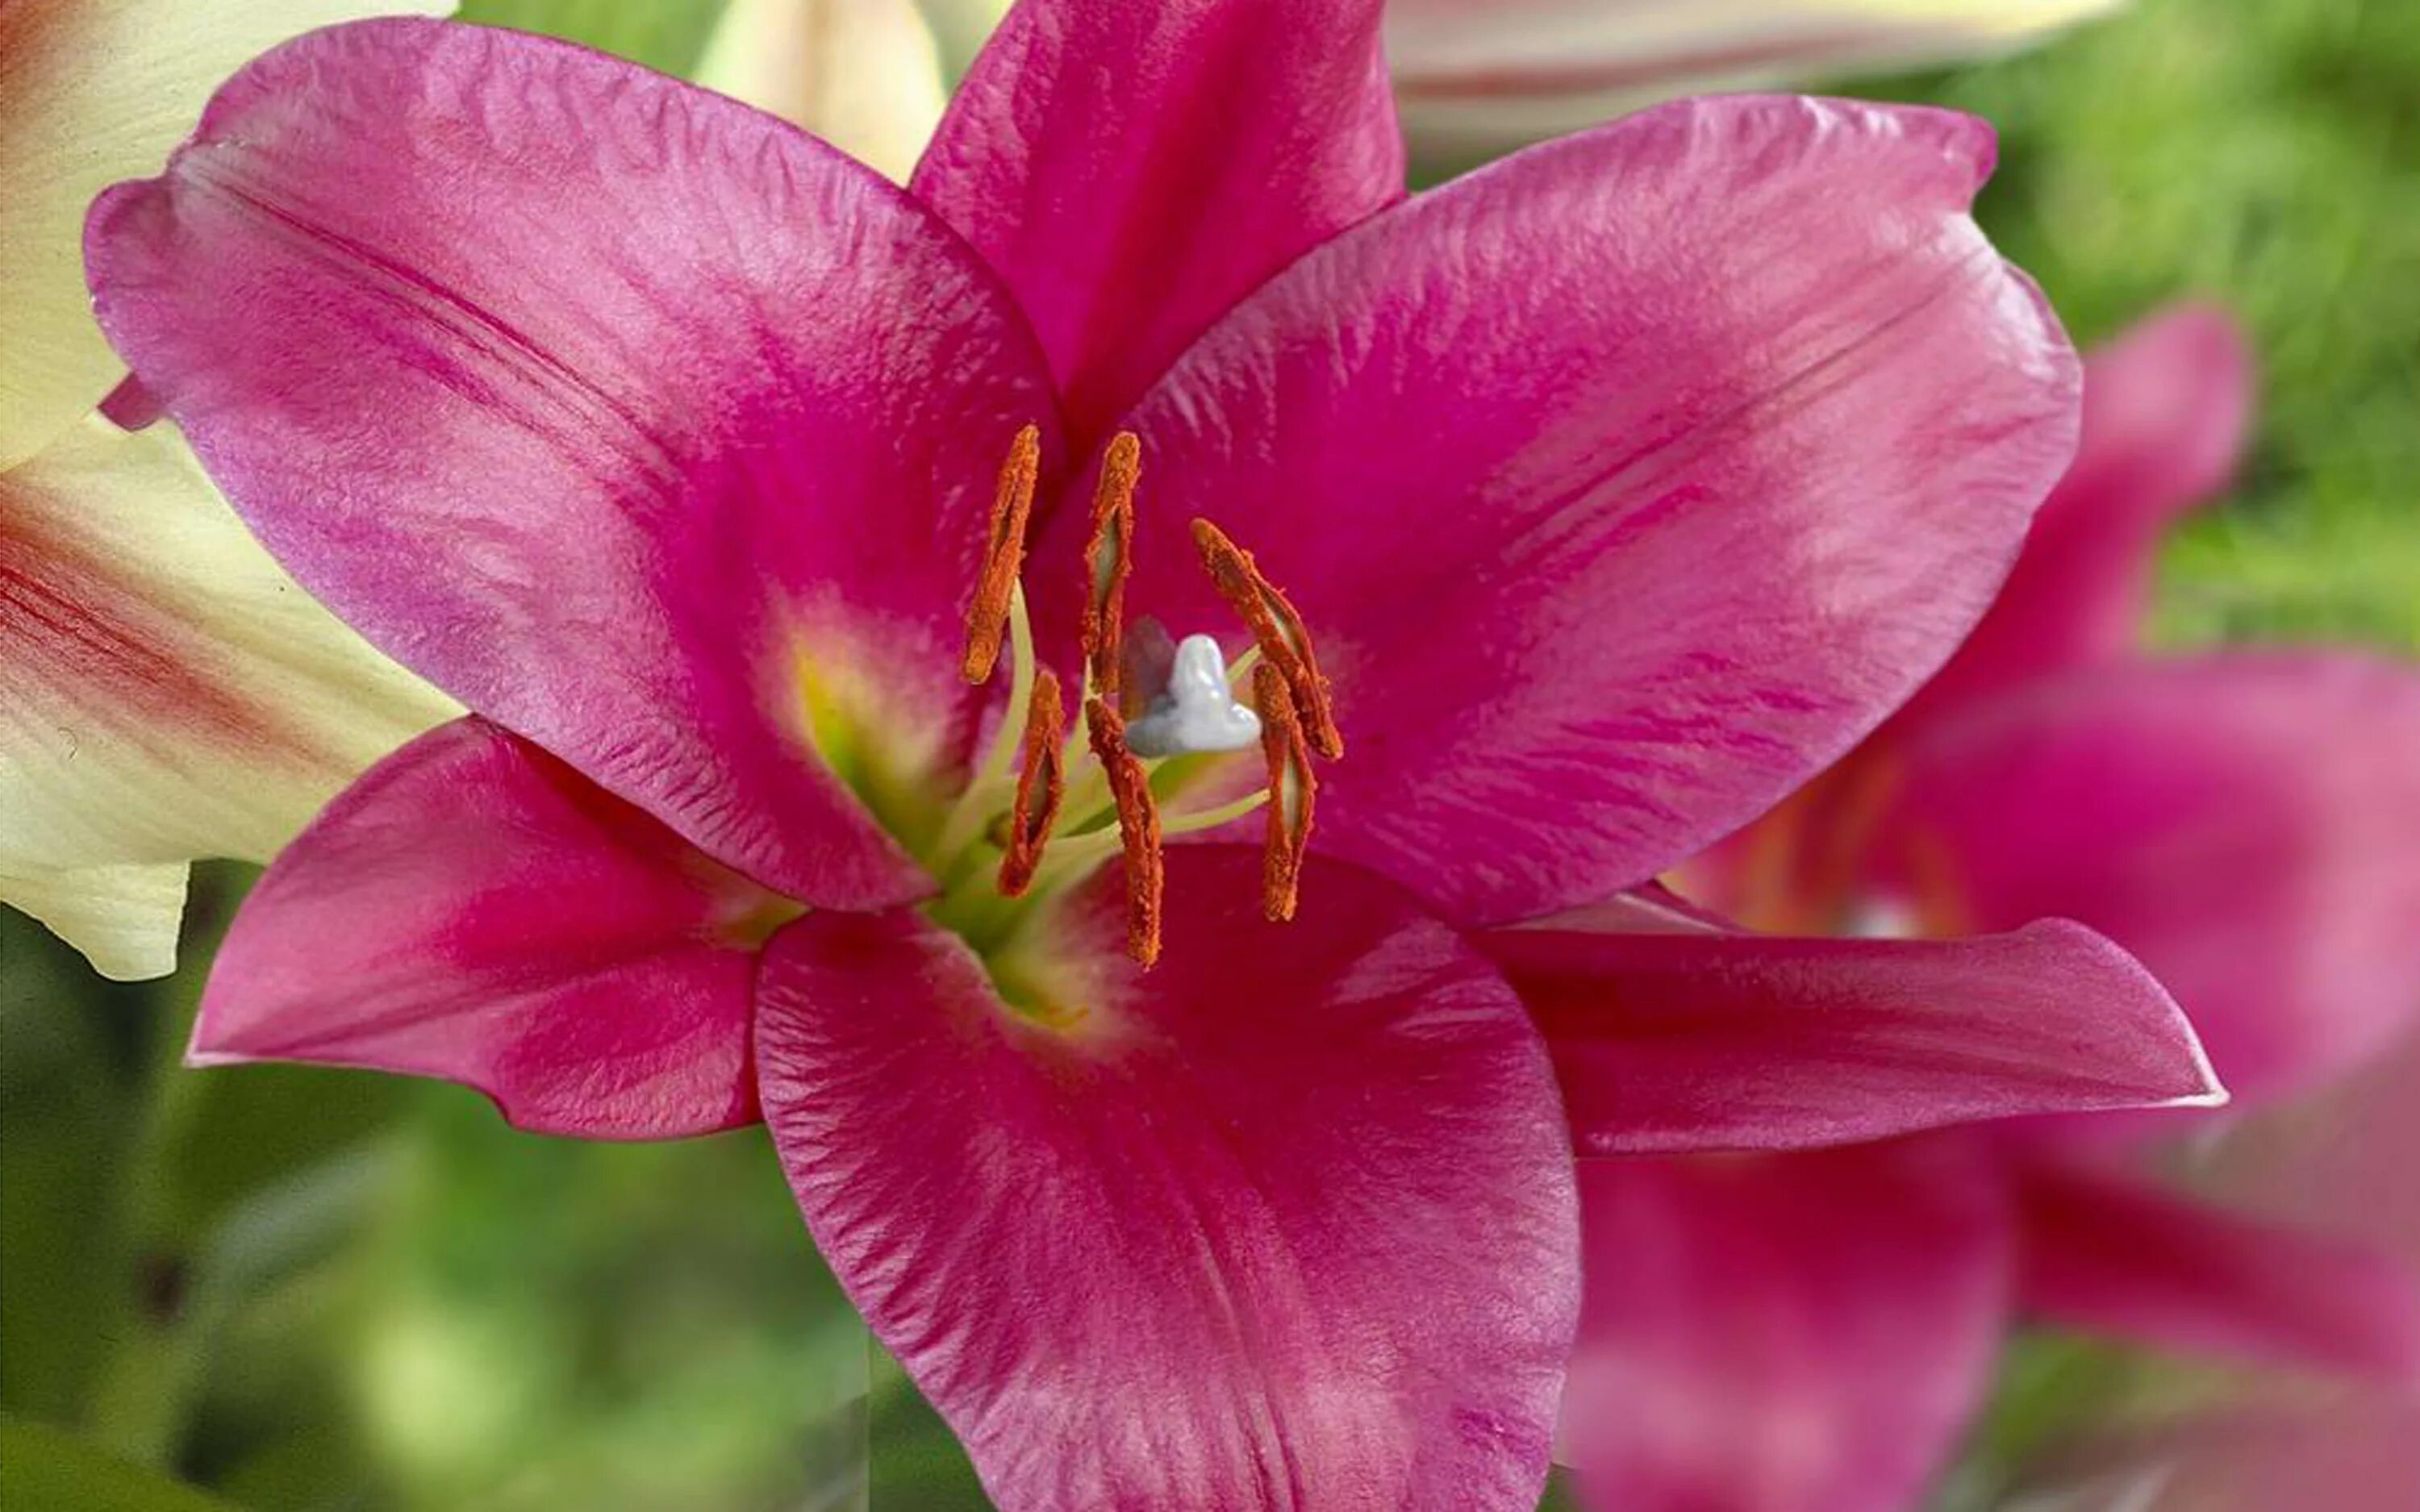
pixel 618 410
pixel 2164 412
pixel 1794 1333
pixel 1621 484
pixel 1669 1042
pixel 1136 169
pixel 2116 1257
pixel 475 910
pixel 2242 823
pixel 1286 1222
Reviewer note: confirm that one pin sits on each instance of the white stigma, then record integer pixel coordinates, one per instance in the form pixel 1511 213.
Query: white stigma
pixel 1195 712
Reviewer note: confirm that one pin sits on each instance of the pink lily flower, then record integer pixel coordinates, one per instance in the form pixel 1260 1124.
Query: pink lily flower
pixel 1592 504
pixel 2344 1167
pixel 1816 1331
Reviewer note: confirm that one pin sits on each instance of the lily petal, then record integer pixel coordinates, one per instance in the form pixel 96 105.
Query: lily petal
pixel 1287 1222
pixel 125 919
pixel 99 90
pixel 169 693
pixel 2165 412
pixel 1623 485
pixel 475 910
pixel 1799 1334
pixel 626 413
pixel 1479 74
pixel 1695 1042
pixel 2242 821
pixel 865 75
pixel 1136 169
pixel 2116 1257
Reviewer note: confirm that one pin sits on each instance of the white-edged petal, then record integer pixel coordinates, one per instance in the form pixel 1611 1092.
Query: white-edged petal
pixel 865 75
pixel 1484 74
pixel 166 692
pixel 93 91
pixel 124 919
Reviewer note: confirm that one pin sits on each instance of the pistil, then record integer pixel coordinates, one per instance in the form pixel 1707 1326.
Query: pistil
pixel 1145 698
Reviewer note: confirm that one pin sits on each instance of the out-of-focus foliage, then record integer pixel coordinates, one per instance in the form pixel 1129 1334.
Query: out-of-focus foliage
pixel 318 1290
pixel 2266 153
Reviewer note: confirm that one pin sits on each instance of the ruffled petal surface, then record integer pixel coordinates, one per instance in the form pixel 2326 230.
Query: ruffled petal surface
pixel 2165 409
pixel 1693 1042
pixel 1136 169
pixel 1622 485
pixel 125 919
pixel 99 90
pixel 1475 75
pixel 166 692
pixel 475 910
pixel 2242 823
pixel 642 423
pixel 2113 1256
pixel 1799 1334
pixel 1286 1223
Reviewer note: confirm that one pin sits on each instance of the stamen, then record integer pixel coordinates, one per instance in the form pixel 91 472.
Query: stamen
pixel 1108 558
pixel 1292 788
pixel 1028 822
pixel 1003 557
pixel 1279 630
pixel 1138 828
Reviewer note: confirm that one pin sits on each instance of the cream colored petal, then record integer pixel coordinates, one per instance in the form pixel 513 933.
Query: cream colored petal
pixel 91 92
pixel 124 919
pixel 864 75
pixel 166 692
pixel 1478 74
pixel 962 28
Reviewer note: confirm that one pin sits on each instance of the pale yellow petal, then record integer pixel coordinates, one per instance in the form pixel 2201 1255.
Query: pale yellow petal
pixel 124 919
pixel 1485 75
pixel 864 75
pixel 166 692
pixel 92 92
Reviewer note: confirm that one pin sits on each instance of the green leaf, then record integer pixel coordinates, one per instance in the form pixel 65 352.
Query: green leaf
pixel 43 1469
pixel 663 34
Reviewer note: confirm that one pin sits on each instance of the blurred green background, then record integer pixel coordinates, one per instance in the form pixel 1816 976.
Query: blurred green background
pixel 337 1292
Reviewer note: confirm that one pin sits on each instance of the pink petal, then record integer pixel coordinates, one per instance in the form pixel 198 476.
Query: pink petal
pixel 617 410
pixel 1136 169
pixel 475 910
pixel 1622 484
pixel 1684 1042
pixel 2164 410
pixel 2112 1255
pixel 1799 1334
pixel 1287 1222
pixel 2242 823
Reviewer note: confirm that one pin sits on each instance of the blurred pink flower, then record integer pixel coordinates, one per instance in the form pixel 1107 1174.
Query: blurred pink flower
pixel 665 437
pixel 1818 1331
pixel 2344 1166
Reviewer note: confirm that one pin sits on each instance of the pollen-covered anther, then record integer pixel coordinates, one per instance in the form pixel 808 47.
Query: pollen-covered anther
pixel 1285 643
pixel 1138 827
pixel 1291 790
pixel 1003 555
pixel 1108 558
pixel 1041 786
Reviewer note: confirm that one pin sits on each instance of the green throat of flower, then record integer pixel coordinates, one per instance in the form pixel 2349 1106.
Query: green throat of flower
pixel 1153 751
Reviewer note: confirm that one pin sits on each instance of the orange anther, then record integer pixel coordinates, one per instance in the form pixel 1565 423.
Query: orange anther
pixel 1029 818
pixel 1283 640
pixel 1138 827
pixel 1291 790
pixel 1108 558
pixel 1003 555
